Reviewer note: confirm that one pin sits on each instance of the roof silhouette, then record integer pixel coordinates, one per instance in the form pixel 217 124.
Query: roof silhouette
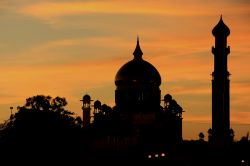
pixel 138 71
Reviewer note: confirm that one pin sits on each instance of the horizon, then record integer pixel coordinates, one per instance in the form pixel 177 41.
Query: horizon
pixel 71 48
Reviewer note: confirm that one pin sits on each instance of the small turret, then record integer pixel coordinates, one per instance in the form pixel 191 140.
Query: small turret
pixel 86 100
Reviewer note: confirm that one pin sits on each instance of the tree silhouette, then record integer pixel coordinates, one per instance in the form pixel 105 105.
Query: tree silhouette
pixel 44 129
pixel 41 118
pixel 46 112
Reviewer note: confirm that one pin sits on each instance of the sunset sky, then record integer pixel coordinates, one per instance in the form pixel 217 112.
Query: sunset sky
pixel 68 48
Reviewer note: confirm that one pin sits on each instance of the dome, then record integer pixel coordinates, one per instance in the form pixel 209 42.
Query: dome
pixel 138 71
pixel 86 98
pixel 167 98
pixel 221 29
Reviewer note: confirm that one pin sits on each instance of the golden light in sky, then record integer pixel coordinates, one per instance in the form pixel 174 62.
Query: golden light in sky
pixel 72 47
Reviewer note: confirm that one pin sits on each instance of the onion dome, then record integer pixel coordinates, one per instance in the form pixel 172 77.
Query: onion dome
pixel 221 29
pixel 97 104
pixel 138 71
pixel 167 98
pixel 86 98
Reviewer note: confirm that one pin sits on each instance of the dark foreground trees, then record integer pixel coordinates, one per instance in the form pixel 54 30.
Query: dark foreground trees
pixel 41 128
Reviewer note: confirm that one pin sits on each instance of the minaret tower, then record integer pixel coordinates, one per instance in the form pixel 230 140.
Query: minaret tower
pixel 220 86
pixel 86 110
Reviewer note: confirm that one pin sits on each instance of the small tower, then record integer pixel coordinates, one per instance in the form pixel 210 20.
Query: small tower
pixel 167 99
pixel 97 106
pixel 220 86
pixel 86 110
pixel 173 112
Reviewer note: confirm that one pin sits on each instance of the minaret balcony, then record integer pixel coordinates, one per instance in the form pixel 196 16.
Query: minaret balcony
pixel 213 50
pixel 228 50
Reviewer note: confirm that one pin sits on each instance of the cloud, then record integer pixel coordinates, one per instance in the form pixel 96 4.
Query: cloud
pixel 198 118
pixel 46 10
pixel 240 117
pixel 57 9
pixel 67 51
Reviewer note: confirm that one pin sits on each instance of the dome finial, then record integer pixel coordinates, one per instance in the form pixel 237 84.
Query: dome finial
pixel 138 52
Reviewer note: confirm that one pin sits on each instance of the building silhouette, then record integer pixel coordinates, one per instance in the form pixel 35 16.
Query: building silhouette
pixel 86 109
pixel 138 101
pixel 140 120
pixel 142 126
pixel 220 86
pixel 137 86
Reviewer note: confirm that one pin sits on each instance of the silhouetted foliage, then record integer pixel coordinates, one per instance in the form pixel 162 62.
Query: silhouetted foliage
pixel 42 123
pixel 43 113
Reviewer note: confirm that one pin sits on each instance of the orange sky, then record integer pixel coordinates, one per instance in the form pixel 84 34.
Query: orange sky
pixel 68 48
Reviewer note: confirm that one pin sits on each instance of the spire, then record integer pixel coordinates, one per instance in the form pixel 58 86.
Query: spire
pixel 221 28
pixel 138 52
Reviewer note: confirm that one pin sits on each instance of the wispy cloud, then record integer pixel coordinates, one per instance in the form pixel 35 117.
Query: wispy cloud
pixel 54 9
pixel 240 117
pixel 198 118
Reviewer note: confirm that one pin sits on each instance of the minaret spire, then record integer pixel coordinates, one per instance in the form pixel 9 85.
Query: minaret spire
pixel 138 52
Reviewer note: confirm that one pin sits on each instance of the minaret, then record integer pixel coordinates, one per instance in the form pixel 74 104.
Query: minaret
pixel 86 110
pixel 220 86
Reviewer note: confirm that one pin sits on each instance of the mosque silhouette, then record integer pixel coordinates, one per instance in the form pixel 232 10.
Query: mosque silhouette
pixel 138 119
pixel 142 128
pixel 139 122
